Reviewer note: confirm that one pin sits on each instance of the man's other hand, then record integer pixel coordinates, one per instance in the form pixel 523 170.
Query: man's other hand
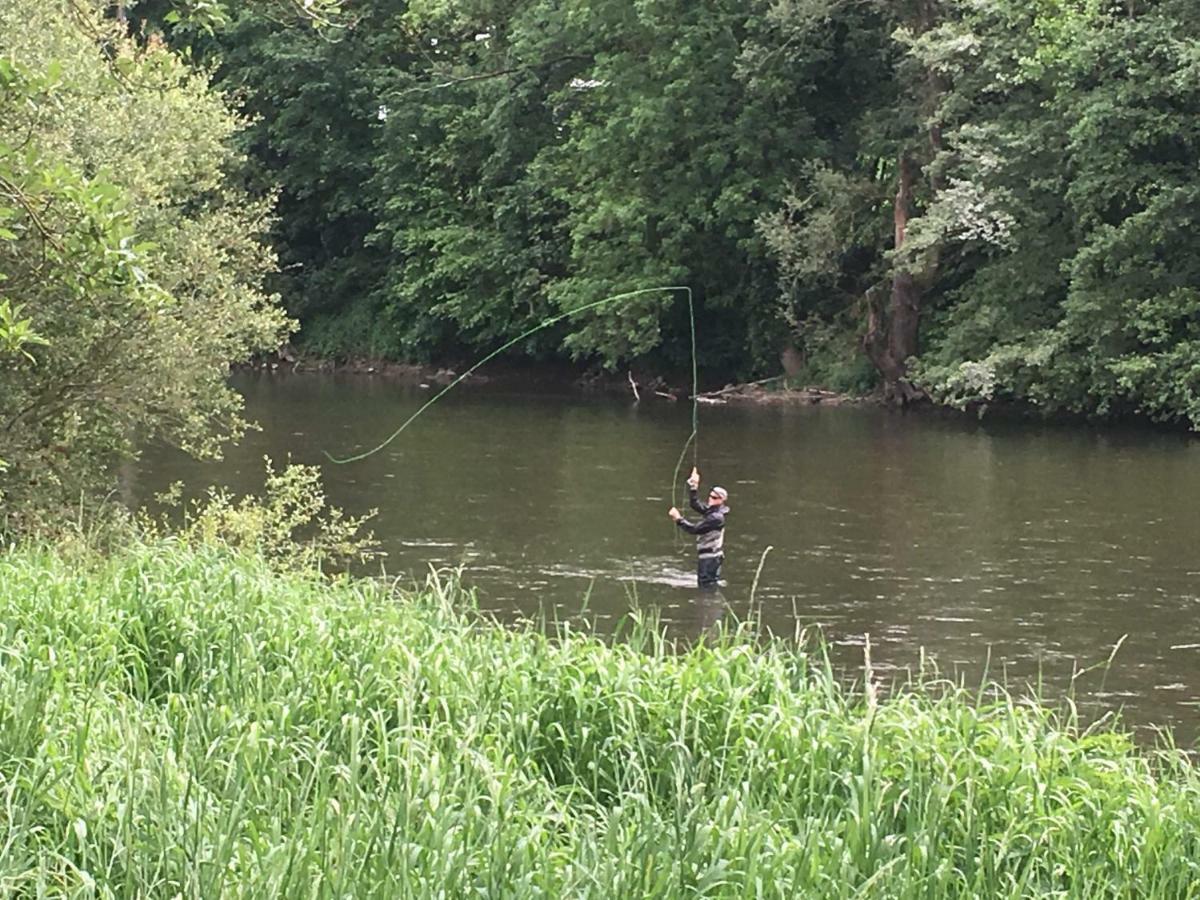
pixel 675 514
pixel 694 479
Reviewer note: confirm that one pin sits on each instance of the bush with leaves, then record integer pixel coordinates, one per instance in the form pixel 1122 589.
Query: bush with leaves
pixel 292 525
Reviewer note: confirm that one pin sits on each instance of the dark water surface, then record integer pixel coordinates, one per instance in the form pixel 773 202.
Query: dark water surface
pixel 1038 546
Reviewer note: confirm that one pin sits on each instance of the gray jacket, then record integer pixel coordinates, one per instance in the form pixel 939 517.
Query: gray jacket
pixel 709 531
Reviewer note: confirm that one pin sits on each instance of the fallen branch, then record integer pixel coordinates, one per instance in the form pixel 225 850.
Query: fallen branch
pixel 736 388
pixel 637 398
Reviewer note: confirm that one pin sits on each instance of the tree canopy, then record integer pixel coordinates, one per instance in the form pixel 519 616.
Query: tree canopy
pixel 969 202
pixel 972 203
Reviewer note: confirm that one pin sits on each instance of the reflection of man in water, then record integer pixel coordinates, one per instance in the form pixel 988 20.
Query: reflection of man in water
pixel 709 531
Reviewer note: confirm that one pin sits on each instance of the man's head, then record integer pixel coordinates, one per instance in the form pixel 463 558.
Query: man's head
pixel 717 496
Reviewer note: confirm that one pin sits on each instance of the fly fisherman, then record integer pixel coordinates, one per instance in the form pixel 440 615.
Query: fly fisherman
pixel 709 531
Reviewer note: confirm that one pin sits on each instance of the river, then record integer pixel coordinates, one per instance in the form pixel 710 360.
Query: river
pixel 1026 550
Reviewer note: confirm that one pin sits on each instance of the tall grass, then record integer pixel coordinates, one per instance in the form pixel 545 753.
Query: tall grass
pixel 181 722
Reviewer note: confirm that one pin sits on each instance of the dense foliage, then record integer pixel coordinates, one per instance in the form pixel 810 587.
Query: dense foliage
pixel 130 269
pixel 1081 132
pixel 453 174
pixel 181 722
pixel 971 201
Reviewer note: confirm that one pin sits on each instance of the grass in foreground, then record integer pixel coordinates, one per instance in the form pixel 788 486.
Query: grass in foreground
pixel 182 722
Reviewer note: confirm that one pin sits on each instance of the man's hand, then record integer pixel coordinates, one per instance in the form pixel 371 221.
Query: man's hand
pixel 694 479
pixel 675 514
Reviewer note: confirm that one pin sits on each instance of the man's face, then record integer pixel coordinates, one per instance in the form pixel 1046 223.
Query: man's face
pixel 714 499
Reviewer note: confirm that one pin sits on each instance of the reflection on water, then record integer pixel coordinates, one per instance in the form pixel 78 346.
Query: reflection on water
pixel 1041 546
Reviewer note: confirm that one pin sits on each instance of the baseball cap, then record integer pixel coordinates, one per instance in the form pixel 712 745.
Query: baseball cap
pixel 719 492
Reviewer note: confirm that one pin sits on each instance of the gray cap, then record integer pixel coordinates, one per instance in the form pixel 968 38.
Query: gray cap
pixel 720 492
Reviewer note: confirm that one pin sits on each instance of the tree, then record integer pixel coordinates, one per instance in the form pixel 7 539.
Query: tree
pixel 1080 125
pixel 308 86
pixel 134 262
pixel 965 200
pixel 1042 160
pixel 473 238
pixel 453 173
pixel 558 154
pixel 832 229
pixel 672 143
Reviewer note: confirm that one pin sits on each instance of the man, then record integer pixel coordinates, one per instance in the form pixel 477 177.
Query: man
pixel 709 531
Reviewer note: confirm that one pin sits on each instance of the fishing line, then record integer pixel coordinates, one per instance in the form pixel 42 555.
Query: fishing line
pixel 692 438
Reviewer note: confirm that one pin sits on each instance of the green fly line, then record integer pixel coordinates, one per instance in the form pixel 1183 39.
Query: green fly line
pixel 692 440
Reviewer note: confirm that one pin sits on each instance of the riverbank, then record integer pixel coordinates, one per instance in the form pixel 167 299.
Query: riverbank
pixel 777 390
pixel 637 384
pixel 182 721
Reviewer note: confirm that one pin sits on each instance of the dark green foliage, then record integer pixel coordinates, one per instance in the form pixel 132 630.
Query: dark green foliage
pixel 452 172
pixel 313 104
pixel 472 234
pixel 667 161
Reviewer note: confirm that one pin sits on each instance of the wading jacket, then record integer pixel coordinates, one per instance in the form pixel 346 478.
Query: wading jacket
pixel 709 531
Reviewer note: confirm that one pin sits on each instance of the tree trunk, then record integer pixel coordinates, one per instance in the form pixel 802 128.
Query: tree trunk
pixel 892 332
pixel 891 336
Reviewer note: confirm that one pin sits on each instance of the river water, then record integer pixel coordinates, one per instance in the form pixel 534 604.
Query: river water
pixel 1027 550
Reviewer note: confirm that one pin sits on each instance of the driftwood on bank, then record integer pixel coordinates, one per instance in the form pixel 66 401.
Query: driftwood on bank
pixel 737 388
pixel 755 390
